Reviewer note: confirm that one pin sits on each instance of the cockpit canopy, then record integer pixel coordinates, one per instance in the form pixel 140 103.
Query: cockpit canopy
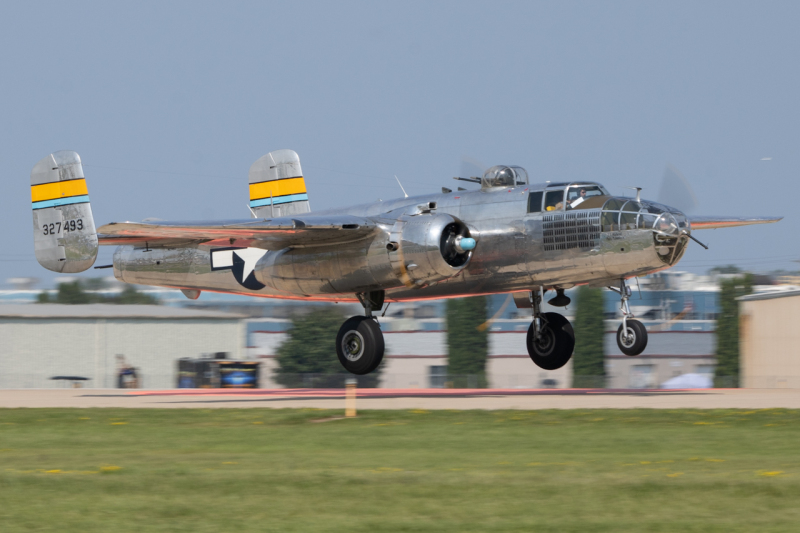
pixel 504 176
pixel 585 195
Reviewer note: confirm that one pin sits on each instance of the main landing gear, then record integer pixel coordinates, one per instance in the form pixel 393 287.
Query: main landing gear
pixel 359 343
pixel 631 335
pixel 550 339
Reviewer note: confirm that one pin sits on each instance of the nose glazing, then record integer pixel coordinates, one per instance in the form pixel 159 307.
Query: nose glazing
pixel 670 235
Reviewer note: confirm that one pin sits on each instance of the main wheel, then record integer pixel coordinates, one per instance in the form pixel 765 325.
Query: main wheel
pixel 555 344
pixel 634 340
pixel 359 345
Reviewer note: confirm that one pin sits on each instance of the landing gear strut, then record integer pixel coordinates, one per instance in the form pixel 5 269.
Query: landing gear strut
pixel 631 335
pixel 550 339
pixel 359 344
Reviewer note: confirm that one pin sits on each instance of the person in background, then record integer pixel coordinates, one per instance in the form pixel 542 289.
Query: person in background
pixel 126 374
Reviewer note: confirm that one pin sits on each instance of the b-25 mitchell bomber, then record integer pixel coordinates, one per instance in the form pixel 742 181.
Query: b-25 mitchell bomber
pixel 509 236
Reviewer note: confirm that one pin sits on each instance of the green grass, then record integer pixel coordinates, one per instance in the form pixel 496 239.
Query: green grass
pixel 244 470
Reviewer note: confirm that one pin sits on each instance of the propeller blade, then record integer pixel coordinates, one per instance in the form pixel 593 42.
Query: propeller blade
pixel 676 192
pixel 471 168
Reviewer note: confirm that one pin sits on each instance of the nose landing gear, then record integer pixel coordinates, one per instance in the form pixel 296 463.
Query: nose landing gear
pixel 359 343
pixel 631 335
pixel 551 339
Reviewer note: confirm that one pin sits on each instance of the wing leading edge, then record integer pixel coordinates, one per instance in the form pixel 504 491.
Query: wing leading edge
pixel 275 233
pixel 729 222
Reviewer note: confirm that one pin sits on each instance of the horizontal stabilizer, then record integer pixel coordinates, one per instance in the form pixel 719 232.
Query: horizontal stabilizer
pixel 729 222
pixel 276 233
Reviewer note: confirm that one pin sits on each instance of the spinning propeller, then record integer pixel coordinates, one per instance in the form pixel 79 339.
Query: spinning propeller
pixel 676 192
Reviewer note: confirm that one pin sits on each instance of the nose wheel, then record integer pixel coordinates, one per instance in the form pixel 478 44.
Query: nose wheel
pixel 631 334
pixel 632 337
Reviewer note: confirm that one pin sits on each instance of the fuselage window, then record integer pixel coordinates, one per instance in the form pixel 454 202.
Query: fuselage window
pixel 535 202
pixel 554 200
pixel 632 206
pixel 609 220
pixel 646 221
pixel 613 204
pixel 627 220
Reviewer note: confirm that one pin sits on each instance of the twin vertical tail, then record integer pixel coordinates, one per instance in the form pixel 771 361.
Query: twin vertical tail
pixel 277 187
pixel 64 235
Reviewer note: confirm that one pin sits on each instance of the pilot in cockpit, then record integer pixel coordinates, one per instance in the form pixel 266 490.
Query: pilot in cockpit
pixel 575 202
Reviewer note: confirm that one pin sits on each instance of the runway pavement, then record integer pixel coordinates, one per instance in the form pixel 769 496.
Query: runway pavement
pixel 408 398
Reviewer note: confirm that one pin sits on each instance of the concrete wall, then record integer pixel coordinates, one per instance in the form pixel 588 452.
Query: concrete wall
pixel 34 349
pixel 650 371
pixel 410 356
pixel 770 343
pixel 669 354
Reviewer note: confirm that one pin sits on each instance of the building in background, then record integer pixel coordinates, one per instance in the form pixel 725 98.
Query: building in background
pixel 770 340
pixel 669 354
pixel 89 341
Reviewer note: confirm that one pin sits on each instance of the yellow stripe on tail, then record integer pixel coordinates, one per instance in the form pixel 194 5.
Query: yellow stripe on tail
pixel 276 188
pixel 58 189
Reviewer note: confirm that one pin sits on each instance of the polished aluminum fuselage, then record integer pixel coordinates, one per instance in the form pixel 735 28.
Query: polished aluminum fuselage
pixel 516 251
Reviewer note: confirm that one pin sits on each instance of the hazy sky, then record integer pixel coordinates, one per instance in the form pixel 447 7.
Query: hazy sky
pixel 170 103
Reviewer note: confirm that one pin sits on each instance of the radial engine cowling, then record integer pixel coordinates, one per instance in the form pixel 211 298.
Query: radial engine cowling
pixel 427 248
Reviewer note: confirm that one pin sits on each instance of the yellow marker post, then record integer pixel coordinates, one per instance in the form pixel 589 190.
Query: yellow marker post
pixel 350 398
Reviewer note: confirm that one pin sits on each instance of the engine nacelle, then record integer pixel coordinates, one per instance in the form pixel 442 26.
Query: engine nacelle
pixel 415 251
pixel 427 248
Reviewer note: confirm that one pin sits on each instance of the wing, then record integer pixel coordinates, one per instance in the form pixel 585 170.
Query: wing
pixel 729 222
pixel 275 233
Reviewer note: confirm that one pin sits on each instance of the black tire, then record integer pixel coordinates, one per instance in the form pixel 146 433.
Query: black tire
pixel 359 345
pixel 555 345
pixel 636 340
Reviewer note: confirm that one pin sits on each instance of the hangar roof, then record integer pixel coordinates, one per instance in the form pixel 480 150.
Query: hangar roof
pixel 769 295
pixel 108 311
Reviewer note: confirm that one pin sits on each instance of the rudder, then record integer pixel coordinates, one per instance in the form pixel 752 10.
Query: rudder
pixel 65 239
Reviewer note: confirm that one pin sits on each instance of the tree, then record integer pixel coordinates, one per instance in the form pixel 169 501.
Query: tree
pixel 130 295
pixel 726 373
pixel 467 341
pixel 307 358
pixel 43 298
pixel 588 360
pixel 74 293
pixel 729 269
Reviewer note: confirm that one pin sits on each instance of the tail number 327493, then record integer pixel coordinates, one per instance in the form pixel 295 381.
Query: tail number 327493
pixel 57 227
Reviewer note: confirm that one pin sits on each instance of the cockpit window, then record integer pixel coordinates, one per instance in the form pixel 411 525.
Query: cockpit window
pixel 632 206
pixel 554 200
pixel 504 176
pixel 578 194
